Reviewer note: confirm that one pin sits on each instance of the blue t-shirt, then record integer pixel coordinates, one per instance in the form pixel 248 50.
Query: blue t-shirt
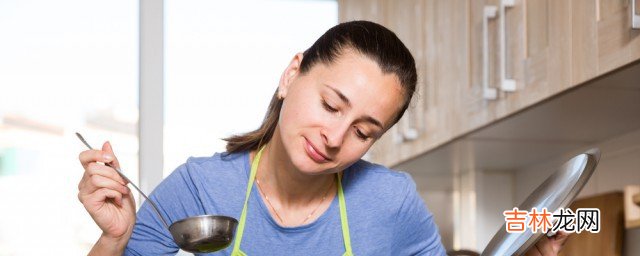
pixel 386 215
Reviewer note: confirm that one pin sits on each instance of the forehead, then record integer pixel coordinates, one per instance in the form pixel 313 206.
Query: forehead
pixel 360 79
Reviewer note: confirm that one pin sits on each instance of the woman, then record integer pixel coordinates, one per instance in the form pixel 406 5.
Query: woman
pixel 314 195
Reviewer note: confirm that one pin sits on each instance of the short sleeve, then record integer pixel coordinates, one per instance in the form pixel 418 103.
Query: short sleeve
pixel 176 198
pixel 417 233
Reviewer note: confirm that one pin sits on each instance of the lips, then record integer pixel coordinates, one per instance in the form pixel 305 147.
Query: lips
pixel 315 154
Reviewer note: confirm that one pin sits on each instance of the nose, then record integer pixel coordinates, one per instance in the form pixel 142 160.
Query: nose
pixel 333 135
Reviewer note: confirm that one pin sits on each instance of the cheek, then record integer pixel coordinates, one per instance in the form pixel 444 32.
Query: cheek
pixel 302 110
pixel 299 112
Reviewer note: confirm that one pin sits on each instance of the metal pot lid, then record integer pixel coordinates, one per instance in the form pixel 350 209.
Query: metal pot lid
pixel 557 191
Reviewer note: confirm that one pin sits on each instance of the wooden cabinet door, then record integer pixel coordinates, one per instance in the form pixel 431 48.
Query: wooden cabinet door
pixel 505 60
pixel 436 31
pixel 570 42
pixel 548 45
pixel 371 10
pixel 618 44
pixel 406 21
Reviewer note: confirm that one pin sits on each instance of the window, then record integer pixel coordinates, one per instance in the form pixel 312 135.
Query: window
pixel 223 63
pixel 65 66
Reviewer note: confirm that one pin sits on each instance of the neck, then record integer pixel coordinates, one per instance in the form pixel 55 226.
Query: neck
pixel 283 182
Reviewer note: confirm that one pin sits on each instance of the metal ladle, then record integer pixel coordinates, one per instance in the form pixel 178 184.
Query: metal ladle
pixel 199 234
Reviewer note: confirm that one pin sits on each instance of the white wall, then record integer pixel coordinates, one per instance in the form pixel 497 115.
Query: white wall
pixel 469 211
pixel 495 194
pixel 619 166
pixel 439 203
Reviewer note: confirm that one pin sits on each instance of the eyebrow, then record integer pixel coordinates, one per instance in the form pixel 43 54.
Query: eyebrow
pixel 346 101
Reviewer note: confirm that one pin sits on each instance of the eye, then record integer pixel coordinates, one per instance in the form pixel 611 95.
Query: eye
pixel 328 107
pixel 361 135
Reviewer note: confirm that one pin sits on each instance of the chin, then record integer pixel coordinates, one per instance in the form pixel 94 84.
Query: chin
pixel 306 165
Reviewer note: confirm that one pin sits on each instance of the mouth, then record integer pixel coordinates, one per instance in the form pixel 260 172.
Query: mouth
pixel 314 153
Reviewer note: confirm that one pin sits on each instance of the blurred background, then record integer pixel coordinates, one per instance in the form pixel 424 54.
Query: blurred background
pixel 508 90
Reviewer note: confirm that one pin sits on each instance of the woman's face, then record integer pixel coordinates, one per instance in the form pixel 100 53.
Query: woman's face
pixel 332 114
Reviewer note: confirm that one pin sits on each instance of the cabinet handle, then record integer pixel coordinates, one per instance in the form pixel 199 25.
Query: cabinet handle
pixel 403 132
pixel 487 92
pixel 408 133
pixel 507 85
pixel 635 17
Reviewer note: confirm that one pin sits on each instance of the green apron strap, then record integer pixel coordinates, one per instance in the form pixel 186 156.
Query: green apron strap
pixel 343 218
pixel 243 217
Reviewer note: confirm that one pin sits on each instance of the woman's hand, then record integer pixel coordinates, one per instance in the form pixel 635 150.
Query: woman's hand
pixel 548 246
pixel 106 197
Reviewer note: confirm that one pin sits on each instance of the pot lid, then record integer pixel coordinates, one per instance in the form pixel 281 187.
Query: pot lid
pixel 557 191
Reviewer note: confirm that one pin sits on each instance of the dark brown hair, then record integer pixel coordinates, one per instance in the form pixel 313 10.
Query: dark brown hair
pixel 367 38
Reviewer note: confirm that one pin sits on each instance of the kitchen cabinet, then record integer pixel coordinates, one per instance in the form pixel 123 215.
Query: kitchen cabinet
pixel 371 10
pixel 617 44
pixel 480 61
pixel 406 21
pixel 431 30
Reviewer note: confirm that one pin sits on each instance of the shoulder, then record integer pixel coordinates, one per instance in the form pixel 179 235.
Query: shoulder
pixel 391 196
pixel 224 159
pixel 375 176
pixel 230 165
pixel 197 186
pixel 205 180
pixel 370 183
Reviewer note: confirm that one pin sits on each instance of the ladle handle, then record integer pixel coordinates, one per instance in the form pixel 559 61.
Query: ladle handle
pixel 153 205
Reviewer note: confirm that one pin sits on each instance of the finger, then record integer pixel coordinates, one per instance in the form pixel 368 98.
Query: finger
pixel 559 239
pixel 561 236
pixel 97 182
pixel 100 197
pixel 129 200
pixel 545 247
pixel 106 171
pixel 106 147
pixel 89 156
pixel 104 194
pixel 83 180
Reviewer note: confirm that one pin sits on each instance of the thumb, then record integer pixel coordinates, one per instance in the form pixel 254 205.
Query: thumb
pixel 106 147
pixel 559 240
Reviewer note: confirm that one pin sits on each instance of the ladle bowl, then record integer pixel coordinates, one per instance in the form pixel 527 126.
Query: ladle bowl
pixel 204 233
pixel 199 234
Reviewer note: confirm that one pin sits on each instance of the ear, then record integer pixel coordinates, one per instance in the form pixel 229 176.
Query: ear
pixel 289 74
